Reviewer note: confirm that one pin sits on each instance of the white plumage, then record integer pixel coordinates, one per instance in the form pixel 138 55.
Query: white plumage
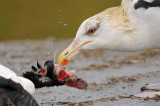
pixel 125 28
pixel 132 26
pixel 9 74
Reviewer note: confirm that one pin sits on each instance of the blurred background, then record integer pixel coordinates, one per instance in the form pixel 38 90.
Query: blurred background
pixel 42 19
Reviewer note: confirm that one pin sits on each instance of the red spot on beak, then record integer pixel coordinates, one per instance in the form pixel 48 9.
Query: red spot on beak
pixel 66 61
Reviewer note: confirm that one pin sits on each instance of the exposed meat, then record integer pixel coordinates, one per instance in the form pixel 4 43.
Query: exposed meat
pixel 64 74
pixel 79 83
pixel 54 75
pixel 69 77
pixel 41 72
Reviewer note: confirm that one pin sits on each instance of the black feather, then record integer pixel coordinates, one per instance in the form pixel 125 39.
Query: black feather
pixel 146 5
pixel 38 65
pixel 17 95
pixel 50 79
pixel 50 69
pixel 34 69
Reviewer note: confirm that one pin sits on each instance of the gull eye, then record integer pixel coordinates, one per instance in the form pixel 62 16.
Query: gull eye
pixel 91 31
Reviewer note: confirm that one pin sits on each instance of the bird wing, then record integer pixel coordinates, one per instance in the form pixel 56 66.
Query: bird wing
pixel 146 12
pixel 4 101
pixel 146 4
pixel 15 92
pixel 8 74
pixel 11 87
pixel 137 4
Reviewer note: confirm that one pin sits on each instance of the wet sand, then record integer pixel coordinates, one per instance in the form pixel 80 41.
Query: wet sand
pixel 112 76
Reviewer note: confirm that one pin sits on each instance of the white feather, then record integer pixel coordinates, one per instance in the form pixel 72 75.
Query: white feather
pixel 122 28
pixel 9 74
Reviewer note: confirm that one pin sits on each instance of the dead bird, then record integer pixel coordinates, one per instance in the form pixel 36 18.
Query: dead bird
pixel 53 75
pixel 18 90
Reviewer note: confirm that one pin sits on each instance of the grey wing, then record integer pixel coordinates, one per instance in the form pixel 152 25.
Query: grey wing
pixel 4 100
pixel 16 94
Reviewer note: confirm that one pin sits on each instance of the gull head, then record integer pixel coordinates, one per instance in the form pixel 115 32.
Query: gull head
pixel 94 33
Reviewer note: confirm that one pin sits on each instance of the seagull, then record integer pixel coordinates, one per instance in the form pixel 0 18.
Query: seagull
pixel 132 26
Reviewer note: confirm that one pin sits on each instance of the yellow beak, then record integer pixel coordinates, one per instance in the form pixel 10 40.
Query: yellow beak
pixel 69 53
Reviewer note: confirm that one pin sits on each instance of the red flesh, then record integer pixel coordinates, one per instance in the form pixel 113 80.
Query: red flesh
pixel 41 72
pixel 64 75
pixel 80 84
pixel 70 78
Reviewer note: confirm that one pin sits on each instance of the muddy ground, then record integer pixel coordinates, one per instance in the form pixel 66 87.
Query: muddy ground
pixel 112 76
